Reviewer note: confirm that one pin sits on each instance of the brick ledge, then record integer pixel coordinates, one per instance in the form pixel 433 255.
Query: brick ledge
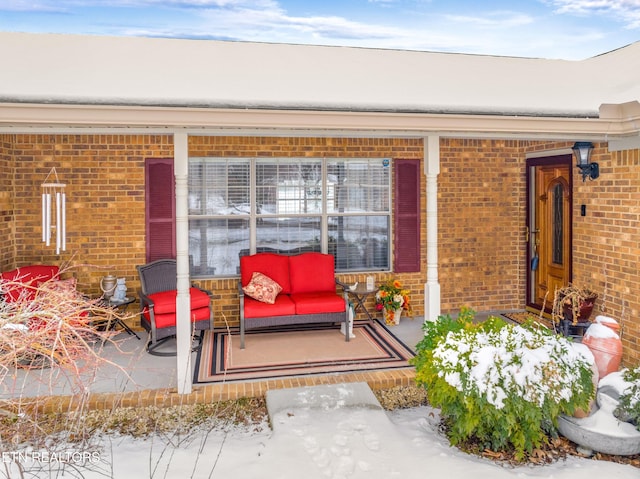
pixel 209 393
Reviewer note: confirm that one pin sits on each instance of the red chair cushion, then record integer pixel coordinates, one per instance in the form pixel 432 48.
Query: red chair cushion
pixel 283 306
pixel 275 266
pixel 169 320
pixel 319 302
pixel 165 301
pixel 312 272
pixel 31 276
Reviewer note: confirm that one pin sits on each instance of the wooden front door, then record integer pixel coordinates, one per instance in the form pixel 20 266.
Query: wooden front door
pixel 548 229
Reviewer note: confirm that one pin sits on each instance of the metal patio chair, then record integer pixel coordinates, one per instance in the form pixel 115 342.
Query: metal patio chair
pixel 158 293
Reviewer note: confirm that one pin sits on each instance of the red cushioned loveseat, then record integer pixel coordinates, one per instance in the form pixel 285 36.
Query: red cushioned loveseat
pixel 308 292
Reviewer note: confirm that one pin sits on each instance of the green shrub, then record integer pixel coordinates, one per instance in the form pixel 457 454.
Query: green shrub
pixel 500 385
pixel 629 405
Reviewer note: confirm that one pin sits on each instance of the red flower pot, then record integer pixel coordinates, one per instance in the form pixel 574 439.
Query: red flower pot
pixel 606 347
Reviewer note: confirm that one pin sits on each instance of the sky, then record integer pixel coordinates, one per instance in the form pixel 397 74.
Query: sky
pixel 564 29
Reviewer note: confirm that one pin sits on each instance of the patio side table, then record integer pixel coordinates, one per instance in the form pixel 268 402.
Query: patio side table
pixel 360 295
pixel 121 307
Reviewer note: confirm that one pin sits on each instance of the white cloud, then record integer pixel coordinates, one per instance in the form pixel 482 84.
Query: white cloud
pixel 262 24
pixel 502 32
pixel 49 5
pixel 271 23
pixel 499 32
pixel 624 11
pixel 28 6
pixel 501 19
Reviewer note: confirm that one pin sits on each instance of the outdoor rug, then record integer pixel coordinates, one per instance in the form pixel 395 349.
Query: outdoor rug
pixel 298 350
pixel 521 317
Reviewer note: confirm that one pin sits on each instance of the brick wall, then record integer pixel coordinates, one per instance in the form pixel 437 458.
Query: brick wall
pixel 607 241
pixel 481 214
pixel 7 255
pixel 481 210
pixel 105 199
pixel 104 175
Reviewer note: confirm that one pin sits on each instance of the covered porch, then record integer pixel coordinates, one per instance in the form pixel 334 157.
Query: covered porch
pixel 471 135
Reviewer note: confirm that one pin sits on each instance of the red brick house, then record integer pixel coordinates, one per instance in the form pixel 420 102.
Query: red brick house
pixel 449 172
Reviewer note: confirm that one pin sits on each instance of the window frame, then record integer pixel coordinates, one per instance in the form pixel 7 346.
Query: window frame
pixel 253 216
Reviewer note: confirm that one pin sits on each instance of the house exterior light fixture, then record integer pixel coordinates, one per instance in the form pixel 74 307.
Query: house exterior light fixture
pixel 582 151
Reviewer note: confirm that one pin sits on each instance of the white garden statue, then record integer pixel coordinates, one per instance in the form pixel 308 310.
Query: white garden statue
pixel 120 292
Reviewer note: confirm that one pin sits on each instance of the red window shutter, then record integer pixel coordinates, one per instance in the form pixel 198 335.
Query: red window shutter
pixel 406 214
pixel 160 209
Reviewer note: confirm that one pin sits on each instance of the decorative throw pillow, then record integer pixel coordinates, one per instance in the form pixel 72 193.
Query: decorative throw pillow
pixel 262 288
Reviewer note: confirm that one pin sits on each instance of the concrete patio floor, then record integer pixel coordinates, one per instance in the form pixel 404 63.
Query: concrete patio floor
pixel 137 378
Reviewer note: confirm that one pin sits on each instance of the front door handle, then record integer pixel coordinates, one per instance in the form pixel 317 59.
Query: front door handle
pixel 527 234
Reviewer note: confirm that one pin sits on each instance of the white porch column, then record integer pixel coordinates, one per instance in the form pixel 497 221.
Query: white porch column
pixel 183 300
pixel 431 171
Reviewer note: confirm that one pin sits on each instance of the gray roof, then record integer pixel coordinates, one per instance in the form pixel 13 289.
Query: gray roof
pixel 99 70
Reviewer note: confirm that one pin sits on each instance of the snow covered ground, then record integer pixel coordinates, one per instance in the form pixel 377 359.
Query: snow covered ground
pixel 354 442
pixel 335 441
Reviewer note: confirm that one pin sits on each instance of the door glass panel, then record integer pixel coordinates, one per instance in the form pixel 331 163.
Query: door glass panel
pixel 558 213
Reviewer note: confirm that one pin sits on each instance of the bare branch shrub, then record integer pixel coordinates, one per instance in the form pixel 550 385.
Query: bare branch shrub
pixel 52 324
pixel 53 334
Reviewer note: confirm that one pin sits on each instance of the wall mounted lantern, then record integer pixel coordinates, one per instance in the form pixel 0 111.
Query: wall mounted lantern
pixel 582 151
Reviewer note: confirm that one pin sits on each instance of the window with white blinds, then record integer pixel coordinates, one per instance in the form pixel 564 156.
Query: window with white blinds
pixel 288 205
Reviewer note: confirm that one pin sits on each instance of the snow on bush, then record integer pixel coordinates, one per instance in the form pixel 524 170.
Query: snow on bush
pixel 499 384
pixel 513 360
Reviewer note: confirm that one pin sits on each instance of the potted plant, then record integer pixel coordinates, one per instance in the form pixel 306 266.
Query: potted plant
pixel 573 304
pixel 628 409
pixel 392 299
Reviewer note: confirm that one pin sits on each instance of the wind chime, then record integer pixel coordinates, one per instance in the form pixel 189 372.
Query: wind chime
pixel 53 194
